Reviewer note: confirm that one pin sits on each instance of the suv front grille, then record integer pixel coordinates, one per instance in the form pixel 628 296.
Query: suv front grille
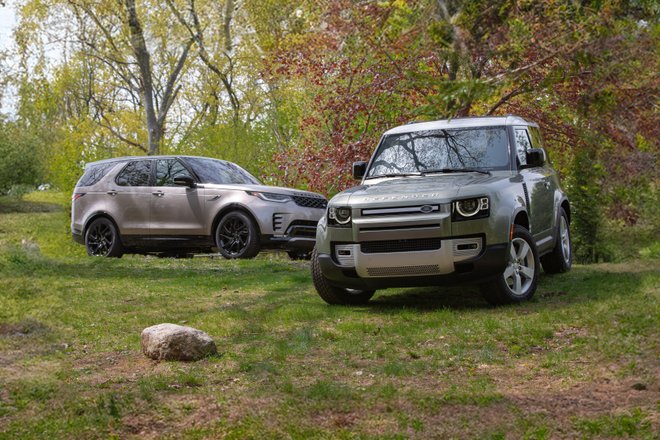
pixel 411 245
pixel 302 228
pixel 310 202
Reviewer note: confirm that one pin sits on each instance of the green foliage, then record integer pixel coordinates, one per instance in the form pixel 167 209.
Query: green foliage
pixel 21 159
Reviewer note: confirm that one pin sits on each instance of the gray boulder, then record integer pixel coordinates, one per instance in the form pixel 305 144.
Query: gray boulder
pixel 176 343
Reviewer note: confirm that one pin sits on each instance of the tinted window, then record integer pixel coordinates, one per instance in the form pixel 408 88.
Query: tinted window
pixel 220 172
pixel 483 148
pixel 94 173
pixel 136 173
pixel 522 145
pixel 167 170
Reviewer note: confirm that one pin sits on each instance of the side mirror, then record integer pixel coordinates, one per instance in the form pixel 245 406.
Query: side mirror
pixel 359 168
pixel 184 181
pixel 535 158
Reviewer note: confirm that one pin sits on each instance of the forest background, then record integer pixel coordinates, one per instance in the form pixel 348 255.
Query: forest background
pixel 295 91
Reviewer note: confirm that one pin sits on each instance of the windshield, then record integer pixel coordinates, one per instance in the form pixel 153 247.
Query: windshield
pixel 483 148
pixel 220 172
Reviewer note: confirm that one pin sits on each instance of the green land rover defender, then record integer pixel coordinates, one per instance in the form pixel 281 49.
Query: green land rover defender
pixel 464 200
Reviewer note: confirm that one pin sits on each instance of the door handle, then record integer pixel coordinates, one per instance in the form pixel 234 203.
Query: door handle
pixel 158 193
pixel 112 192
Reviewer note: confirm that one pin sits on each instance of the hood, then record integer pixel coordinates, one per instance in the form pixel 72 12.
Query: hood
pixel 441 188
pixel 264 188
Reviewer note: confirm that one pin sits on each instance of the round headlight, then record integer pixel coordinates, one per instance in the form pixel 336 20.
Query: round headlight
pixel 468 207
pixel 341 215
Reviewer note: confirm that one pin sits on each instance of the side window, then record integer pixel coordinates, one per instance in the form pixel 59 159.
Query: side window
pixel 136 173
pixel 537 141
pixel 167 170
pixel 94 173
pixel 522 145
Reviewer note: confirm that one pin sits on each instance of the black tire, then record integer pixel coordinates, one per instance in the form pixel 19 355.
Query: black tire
pixel 336 295
pixel 522 272
pixel 102 239
pixel 236 236
pixel 299 255
pixel 561 258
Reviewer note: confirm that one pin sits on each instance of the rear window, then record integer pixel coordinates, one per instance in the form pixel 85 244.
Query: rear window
pixel 94 173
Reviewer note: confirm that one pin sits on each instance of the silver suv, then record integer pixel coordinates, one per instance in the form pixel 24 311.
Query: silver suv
pixel 176 205
pixel 462 200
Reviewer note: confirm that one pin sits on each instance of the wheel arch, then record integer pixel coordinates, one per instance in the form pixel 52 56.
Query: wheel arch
pixel 97 215
pixel 521 218
pixel 567 209
pixel 229 208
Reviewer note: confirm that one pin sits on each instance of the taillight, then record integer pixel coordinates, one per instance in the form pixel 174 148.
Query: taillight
pixel 76 196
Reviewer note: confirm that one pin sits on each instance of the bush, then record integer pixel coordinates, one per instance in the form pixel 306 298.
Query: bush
pixel 20 165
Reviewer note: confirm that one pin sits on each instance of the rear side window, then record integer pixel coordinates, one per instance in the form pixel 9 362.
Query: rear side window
pixel 136 173
pixel 94 173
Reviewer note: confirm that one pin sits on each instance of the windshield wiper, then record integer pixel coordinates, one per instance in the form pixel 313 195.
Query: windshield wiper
pixel 393 175
pixel 454 170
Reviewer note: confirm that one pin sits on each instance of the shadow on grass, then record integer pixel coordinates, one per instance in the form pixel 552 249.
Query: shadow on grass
pixel 583 284
pixel 11 206
pixel 429 298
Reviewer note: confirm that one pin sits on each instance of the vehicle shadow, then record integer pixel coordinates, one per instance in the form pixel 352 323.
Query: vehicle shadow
pixel 429 298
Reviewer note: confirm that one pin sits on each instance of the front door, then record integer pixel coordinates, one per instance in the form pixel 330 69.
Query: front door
pixel 175 210
pixel 540 189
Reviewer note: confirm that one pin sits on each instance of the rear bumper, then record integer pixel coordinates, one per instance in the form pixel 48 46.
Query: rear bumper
pixel 489 264
pixel 78 237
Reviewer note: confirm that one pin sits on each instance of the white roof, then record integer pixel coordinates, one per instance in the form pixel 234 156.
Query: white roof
pixel 486 121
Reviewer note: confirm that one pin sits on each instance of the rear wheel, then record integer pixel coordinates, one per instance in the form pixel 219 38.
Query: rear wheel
pixel 561 258
pixel 333 294
pixel 236 236
pixel 102 239
pixel 520 277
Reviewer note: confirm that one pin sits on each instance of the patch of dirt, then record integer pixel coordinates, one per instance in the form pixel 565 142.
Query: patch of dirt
pixel 184 412
pixel 122 366
pixel 23 328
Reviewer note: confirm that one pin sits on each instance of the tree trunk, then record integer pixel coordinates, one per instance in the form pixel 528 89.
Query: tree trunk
pixel 154 129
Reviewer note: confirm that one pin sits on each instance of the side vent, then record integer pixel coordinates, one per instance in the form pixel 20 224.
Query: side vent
pixel 529 208
pixel 277 222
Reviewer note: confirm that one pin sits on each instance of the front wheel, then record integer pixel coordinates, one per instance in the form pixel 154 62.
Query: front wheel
pixel 520 277
pixel 236 236
pixel 560 259
pixel 333 294
pixel 102 239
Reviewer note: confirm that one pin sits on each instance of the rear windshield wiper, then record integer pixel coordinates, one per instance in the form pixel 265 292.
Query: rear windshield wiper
pixel 454 170
pixel 393 175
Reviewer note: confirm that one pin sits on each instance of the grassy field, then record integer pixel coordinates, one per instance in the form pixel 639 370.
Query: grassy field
pixel 579 361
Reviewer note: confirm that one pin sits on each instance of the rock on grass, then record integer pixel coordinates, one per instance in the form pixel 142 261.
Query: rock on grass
pixel 176 343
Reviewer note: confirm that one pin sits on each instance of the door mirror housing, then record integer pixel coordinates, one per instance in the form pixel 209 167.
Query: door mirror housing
pixel 184 181
pixel 359 168
pixel 535 158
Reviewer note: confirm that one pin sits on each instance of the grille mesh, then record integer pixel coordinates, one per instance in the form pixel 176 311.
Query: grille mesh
pixel 385 246
pixel 429 269
pixel 310 202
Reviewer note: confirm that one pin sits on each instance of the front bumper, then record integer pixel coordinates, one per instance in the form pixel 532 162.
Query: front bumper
pixel 299 236
pixel 386 269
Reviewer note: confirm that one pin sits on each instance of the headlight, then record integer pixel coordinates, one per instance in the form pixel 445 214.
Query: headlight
pixel 270 197
pixel 471 208
pixel 339 216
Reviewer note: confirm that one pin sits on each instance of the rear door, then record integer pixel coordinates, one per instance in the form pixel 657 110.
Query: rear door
pixel 175 210
pixel 129 196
